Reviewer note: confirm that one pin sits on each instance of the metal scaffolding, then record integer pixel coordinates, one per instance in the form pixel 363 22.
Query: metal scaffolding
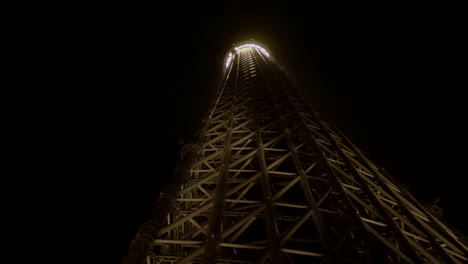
pixel 272 180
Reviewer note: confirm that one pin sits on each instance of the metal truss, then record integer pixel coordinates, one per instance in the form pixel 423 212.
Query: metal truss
pixel 274 181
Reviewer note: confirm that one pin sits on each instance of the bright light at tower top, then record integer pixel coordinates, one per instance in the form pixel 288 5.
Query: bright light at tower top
pixel 252 46
pixel 245 46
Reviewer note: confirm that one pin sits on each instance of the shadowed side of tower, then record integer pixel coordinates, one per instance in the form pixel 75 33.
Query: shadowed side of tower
pixel 271 180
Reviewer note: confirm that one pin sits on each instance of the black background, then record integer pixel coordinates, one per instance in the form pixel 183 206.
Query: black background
pixel 126 84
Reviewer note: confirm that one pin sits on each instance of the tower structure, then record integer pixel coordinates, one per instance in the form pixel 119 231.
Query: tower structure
pixel 270 179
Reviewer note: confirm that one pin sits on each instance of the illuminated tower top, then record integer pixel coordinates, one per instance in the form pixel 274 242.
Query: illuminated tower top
pixel 240 47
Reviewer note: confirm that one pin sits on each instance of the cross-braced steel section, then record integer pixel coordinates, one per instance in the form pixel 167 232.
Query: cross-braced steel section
pixel 272 180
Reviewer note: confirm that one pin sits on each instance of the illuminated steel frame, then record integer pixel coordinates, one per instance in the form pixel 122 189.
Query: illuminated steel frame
pixel 272 180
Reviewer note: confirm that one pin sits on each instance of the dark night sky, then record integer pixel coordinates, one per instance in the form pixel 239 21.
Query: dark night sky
pixel 124 83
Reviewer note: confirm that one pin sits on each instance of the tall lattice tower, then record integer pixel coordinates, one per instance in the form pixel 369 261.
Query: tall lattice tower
pixel 271 180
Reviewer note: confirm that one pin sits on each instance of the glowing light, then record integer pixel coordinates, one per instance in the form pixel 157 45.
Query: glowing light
pixel 229 59
pixel 245 46
pixel 264 52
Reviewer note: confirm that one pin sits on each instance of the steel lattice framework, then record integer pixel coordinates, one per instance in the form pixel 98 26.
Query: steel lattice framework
pixel 272 180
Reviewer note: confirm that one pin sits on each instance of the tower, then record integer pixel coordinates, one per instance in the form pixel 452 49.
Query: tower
pixel 270 179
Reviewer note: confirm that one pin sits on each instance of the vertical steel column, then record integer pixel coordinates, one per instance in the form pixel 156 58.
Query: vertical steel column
pixel 275 254
pixel 351 212
pixel 214 227
pixel 318 218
